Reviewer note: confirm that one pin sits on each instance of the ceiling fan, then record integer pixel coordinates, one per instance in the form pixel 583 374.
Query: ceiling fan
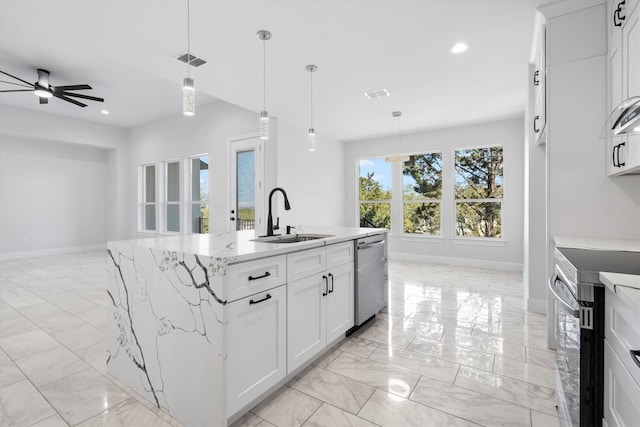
pixel 44 90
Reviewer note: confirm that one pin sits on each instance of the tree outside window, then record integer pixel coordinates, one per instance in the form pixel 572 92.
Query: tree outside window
pixel 479 192
pixel 422 188
pixel 375 193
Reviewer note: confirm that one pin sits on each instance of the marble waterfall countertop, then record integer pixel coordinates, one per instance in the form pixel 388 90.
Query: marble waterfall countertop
pixel 238 246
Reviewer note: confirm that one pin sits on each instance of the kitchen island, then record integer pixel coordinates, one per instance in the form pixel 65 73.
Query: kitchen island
pixel 206 326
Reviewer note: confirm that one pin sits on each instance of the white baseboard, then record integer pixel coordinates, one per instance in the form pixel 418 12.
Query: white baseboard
pixel 498 265
pixel 54 251
pixel 537 305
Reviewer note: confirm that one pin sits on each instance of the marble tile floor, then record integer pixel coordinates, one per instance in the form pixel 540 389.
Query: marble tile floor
pixel 456 347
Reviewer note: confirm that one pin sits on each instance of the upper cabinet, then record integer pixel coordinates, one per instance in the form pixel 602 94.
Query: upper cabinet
pixel 539 87
pixel 623 76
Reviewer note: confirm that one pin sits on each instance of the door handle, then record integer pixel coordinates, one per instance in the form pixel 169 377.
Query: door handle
pixel 326 286
pixel 331 276
pixel 535 120
pixel 619 147
pixel 536 80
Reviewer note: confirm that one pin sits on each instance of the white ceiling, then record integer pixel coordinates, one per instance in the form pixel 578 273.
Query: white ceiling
pixel 126 50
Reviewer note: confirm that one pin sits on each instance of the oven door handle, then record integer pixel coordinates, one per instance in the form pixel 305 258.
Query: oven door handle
pixel 552 288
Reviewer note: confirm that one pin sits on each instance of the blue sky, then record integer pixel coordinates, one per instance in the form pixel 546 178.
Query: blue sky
pixel 381 171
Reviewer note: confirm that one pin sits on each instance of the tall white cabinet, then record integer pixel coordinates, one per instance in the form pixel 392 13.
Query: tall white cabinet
pixel 623 78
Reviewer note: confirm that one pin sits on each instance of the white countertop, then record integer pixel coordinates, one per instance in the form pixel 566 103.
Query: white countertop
pixel 238 246
pixel 615 280
pixel 597 244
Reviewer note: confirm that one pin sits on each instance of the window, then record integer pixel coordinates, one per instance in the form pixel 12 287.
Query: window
pixel 478 192
pixel 200 194
pixel 173 196
pixel 422 193
pixel 149 197
pixel 375 193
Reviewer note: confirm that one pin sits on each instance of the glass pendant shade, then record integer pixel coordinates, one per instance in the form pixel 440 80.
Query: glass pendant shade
pixel 311 140
pixel 264 125
pixel 188 97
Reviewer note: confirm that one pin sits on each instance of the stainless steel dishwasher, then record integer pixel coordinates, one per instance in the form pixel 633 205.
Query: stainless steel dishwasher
pixel 371 278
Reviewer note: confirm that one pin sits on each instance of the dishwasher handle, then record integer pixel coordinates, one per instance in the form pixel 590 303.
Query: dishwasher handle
pixel 552 288
pixel 362 245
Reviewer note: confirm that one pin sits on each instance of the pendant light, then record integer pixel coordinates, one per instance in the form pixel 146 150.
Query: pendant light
pixel 264 35
pixel 188 88
pixel 311 137
pixel 397 158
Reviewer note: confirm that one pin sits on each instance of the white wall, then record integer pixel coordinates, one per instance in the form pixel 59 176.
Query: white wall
pixel 62 182
pixel 510 134
pixel 314 181
pixel 178 136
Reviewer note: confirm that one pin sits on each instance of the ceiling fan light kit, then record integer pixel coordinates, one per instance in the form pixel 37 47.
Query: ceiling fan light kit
pixel 44 90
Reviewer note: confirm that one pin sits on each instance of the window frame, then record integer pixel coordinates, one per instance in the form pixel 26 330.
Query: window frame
pixel 143 203
pixel 456 200
pixel 165 200
pixel 372 202
pixel 190 203
pixel 400 170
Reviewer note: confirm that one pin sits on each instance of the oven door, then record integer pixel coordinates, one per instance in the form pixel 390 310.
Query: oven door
pixel 567 327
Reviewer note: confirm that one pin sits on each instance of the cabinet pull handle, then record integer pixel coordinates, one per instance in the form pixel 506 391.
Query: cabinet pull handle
pixel 635 355
pixel 266 274
pixel 535 121
pixel 260 300
pixel 326 286
pixel 536 80
pixel 331 275
pixel 613 155
pixel 617 18
pixel 619 147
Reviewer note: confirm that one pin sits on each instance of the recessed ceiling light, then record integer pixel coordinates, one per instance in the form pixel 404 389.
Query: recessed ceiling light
pixel 105 112
pixel 459 48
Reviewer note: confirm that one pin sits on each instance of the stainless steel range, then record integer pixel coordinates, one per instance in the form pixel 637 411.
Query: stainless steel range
pixel 578 325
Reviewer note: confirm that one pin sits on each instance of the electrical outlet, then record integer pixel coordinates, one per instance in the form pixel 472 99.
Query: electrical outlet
pixel 142 289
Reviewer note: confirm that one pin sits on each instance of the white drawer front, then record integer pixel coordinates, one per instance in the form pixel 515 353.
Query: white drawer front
pixel 306 263
pixel 621 392
pixel 621 330
pixel 247 278
pixel 340 253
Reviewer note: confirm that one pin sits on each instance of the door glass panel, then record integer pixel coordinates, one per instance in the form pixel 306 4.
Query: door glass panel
pixel 245 190
pixel 200 194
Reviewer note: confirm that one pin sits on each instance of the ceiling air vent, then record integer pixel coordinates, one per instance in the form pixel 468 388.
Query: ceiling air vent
pixel 378 93
pixel 190 59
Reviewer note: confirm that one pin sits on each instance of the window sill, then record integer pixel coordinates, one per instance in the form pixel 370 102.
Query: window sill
pixel 478 241
pixel 417 237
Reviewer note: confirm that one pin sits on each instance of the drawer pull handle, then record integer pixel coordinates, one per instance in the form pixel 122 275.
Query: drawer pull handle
pixel 331 290
pixel 635 355
pixel 266 274
pixel 260 300
pixel 326 286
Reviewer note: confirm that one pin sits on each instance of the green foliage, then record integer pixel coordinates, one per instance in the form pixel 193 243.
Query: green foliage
pixel 377 213
pixel 479 175
pixel 425 171
pixel 422 218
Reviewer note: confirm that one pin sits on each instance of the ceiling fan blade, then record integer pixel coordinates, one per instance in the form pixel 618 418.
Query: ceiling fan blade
pixel 71 87
pixel 14 77
pixel 15 84
pixel 17 90
pixel 73 101
pixel 43 100
pixel 77 95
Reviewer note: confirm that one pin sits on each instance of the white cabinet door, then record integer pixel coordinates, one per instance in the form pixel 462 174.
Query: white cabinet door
pixel 631 54
pixel 256 346
pixel 340 302
pixel 621 392
pixel 306 324
pixel 539 83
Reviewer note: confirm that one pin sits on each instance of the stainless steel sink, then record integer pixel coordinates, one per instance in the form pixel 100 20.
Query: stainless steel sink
pixel 291 238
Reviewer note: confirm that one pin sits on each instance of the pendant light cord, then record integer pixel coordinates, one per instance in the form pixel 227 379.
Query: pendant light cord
pixel 311 76
pixel 264 75
pixel 188 38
